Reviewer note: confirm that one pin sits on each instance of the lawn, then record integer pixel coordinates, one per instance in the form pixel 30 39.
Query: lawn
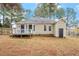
pixel 38 46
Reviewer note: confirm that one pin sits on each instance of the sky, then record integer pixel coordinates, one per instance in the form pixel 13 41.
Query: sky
pixel 32 6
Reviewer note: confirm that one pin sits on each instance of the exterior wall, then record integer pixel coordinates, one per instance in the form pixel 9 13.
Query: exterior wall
pixel 58 25
pixel 39 29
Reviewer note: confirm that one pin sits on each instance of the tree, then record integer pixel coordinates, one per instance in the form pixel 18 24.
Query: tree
pixel 27 13
pixel 60 13
pixel 45 10
pixel 70 14
pixel 41 11
pixel 7 9
pixel 50 10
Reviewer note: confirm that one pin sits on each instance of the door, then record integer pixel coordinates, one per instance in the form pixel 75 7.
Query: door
pixel 61 32
pixel 22 28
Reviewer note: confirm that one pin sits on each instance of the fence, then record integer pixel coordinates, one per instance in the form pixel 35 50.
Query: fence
pixel 72 33
pixel 5 31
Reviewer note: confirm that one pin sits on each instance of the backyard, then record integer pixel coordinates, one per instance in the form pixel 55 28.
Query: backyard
pixel 38 45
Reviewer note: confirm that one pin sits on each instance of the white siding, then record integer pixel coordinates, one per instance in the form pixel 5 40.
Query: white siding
pixel 39 29
pixel 60 24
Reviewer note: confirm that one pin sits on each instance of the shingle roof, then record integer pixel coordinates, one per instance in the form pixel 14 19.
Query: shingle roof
pixel 38 21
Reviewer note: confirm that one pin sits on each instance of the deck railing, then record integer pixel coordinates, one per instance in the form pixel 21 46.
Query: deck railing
pixel 5 31
pixel 22 31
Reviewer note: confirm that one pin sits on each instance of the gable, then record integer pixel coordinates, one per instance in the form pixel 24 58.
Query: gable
pixel 60 24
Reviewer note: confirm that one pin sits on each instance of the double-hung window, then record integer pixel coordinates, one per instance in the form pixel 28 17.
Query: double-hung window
pixel 33 27
pixel 44 27
pixel 49 28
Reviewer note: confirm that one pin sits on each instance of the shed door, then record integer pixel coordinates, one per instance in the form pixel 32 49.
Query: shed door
pixel 61 32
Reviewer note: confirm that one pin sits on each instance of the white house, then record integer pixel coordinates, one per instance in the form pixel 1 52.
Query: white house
pixel 40 26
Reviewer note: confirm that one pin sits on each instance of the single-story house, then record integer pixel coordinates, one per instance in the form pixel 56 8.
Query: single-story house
pixel 40 26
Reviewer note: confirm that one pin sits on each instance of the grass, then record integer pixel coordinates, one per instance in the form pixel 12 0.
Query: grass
pixel 38 45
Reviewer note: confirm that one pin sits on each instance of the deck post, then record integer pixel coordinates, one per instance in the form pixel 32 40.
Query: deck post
pixel 21 36
pixel 30 32
pixel 30 35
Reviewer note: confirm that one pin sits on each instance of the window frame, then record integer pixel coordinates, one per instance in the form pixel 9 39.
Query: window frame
pixel 50 28
pixel 45 28
pixel 33 27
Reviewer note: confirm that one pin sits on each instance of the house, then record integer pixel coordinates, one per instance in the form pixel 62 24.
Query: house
pixel 40 26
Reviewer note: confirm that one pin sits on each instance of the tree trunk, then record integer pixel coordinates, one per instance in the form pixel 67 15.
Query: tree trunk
pixel 3 23
pixel 10 25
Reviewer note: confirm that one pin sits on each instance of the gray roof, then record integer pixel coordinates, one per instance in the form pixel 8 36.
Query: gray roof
pixel 37 21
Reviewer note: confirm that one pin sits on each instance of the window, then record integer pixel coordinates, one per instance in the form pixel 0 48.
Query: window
pixel 49 28
pixel 34 27
pixel 22 26
pixel 44 27
pixel 30 26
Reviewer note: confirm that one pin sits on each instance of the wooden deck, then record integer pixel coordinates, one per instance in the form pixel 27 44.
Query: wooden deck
pixel 21 32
